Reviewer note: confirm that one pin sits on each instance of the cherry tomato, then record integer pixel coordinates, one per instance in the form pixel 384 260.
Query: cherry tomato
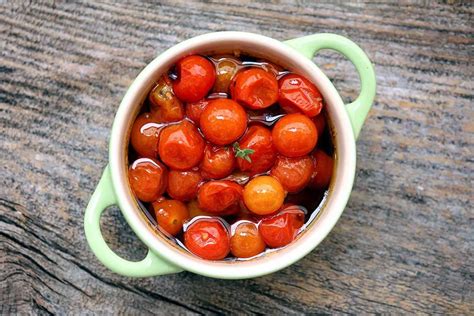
pixel 208 239
pixel 246 241
pixel 183 185
pixel 254 88
pixel 258 139
pixel 170 215
pixel 145 135
pixel 148 179
pixel 263 195
pixel 164 105
pixel 323 167
pixel 223 121
pixel 293 173
pixel 196 76
pixel 298 94
pixel 218 162
pixel 181 147
pixel 294 135
pixel 320 123
pixel 220 197
pixel 281 229
pixel 195 210
pixel 226 68
pixel 194 110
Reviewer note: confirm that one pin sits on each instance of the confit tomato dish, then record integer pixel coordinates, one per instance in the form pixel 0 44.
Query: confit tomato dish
pixel 230 156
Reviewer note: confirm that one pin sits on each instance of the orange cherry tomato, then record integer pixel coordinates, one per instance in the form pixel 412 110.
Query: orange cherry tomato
pixel 254 88
pixel 220 197
pixel 164 105
pixel 181 147
pixel 293 173
pixel 195 210
pixel 320 123
pixel 208 239
pixel 281 229
pixel 145 135
pixel 148 179
pixel 294 135
pixel 263 195
pixel 196 76
pixel 226 68
pixel 183 185
pixel 170 215
pixel 323 167
pixel 194 110
pixel 259 140
pixel 246 241
pixel 298 94
pixel 223 121
pixel 218 162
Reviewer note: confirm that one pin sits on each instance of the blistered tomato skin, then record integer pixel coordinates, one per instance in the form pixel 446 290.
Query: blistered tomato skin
pixel 170 215
pixel 294 174
pixel 148 179
pixel 246 241
pixel 181 147
pixel 145 135
pixel 183 185
pixel 298 94
pixel 194 110
pixel 294 135
pixel 323 168
pixel 220 197
pixel 208 239
pixel 258 139
pixel 223 121
pixel 164 105
pixel 281 229
pixel 263 195
pixel 218 162
pixel 254 88
pixel 196 77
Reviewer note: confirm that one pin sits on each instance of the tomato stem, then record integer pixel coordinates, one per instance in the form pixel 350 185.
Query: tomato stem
pixel 243 153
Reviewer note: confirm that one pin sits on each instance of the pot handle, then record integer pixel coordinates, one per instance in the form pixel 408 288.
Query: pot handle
pixel 103 197
pixel 311 44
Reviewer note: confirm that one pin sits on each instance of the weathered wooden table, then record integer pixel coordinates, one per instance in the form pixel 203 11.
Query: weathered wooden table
pixel 405 242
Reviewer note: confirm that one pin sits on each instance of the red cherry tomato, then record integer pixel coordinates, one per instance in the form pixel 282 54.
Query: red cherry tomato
pixel 320 123
pixel 164 105
pixel 196 76
pixel 246 241
pixel 194 110
pixel 281 229
pixel 254 88
pixel 258 139
pixel 208 239
pixel 293 173
pixel 148 179
pixel 218 162
pixel 323 167
pixel 170 215
pixel 223 121
pixel 183 185
pixel 294 135
pixel 220 197
pixel 181 147
pixel 145 135
pixel 298 94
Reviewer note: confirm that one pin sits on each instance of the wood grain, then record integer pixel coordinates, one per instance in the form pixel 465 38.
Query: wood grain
pixel 405 242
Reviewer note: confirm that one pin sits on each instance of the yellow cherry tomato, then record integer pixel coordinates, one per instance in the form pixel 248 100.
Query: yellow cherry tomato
pixel 263 195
